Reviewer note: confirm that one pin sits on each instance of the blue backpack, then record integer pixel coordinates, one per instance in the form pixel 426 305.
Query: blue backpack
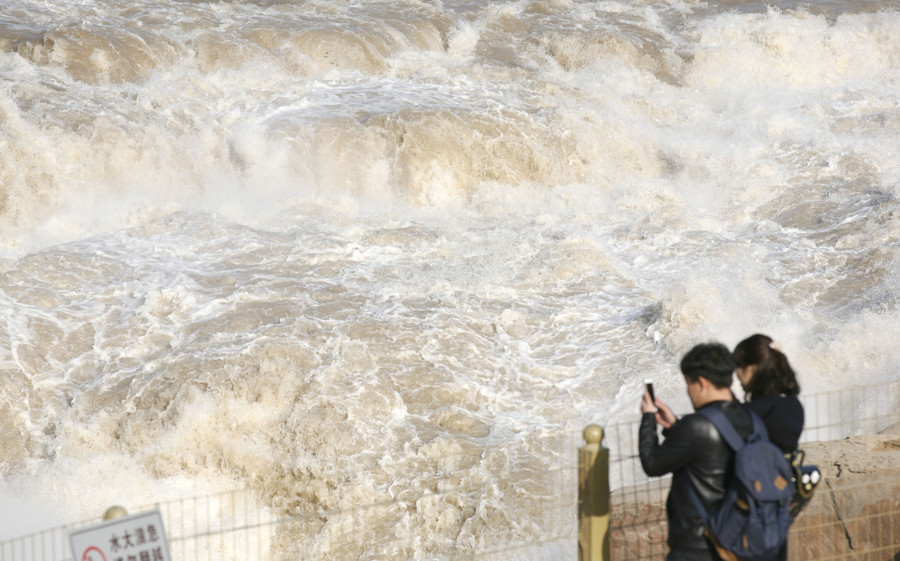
pixel 753 520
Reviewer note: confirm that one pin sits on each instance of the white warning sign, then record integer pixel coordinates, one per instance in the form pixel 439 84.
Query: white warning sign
pixel 139 537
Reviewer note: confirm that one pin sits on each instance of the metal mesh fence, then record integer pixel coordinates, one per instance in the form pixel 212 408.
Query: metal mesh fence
pixel 411 528
pixel 47 545
pixel 861 410
pixel 849 518
pixel 527 514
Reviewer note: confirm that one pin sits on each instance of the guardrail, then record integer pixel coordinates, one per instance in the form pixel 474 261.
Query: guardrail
pixel 534 513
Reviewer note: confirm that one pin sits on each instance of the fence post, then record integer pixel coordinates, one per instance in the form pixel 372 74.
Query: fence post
pixel 114 512
pixel 593 497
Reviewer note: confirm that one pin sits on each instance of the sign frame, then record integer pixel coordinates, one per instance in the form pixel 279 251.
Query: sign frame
pixel 136 537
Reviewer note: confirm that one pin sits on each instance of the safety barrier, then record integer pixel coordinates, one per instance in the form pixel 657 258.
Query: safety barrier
pixel 847 519
pixel 585 500
pixel 851 516
pixel 526 515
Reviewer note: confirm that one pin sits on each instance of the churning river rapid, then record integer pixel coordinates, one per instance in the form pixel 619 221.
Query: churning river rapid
pixel 317 248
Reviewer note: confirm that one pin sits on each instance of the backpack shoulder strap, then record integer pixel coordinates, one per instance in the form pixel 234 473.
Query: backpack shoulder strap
pixel 734 440
pixel 698 504
pixel 727 430
pixel 731 436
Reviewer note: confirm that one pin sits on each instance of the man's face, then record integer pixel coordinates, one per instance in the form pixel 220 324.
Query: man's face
pixel 693 390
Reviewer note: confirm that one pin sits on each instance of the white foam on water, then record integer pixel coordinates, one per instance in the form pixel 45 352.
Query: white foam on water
pixel 236 258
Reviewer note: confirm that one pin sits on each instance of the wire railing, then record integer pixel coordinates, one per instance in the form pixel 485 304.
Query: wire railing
pixel 843 521
pixel 530 513
pixel 527 514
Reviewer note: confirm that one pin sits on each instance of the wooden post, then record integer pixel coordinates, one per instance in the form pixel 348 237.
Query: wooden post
pixel 593 497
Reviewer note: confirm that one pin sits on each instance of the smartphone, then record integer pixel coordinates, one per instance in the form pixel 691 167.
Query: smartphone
pixel 649 384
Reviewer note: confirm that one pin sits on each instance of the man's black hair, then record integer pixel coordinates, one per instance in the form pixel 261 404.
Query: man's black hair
pixel 713 361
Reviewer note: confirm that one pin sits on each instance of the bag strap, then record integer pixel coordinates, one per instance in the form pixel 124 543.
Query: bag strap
pixel 727 430
pixel 695 496
pixel 731 436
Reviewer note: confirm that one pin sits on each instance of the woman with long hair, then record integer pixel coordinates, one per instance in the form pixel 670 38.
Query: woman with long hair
pixel 771 389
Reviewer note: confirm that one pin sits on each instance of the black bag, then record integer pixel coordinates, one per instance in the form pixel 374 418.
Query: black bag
pixel 806 478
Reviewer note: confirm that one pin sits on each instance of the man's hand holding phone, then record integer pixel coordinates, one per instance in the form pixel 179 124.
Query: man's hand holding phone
pixel 648 405
pixel 664 416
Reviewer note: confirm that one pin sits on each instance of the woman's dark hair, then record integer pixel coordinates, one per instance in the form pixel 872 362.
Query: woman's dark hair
pixel 773 375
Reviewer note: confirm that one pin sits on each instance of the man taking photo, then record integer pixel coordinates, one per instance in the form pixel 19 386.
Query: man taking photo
pixel 693 449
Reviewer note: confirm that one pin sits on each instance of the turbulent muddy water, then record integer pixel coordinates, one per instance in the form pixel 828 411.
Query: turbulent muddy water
pixel 318 249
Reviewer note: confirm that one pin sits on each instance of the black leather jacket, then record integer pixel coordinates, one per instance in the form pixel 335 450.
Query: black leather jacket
pixel 694 446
